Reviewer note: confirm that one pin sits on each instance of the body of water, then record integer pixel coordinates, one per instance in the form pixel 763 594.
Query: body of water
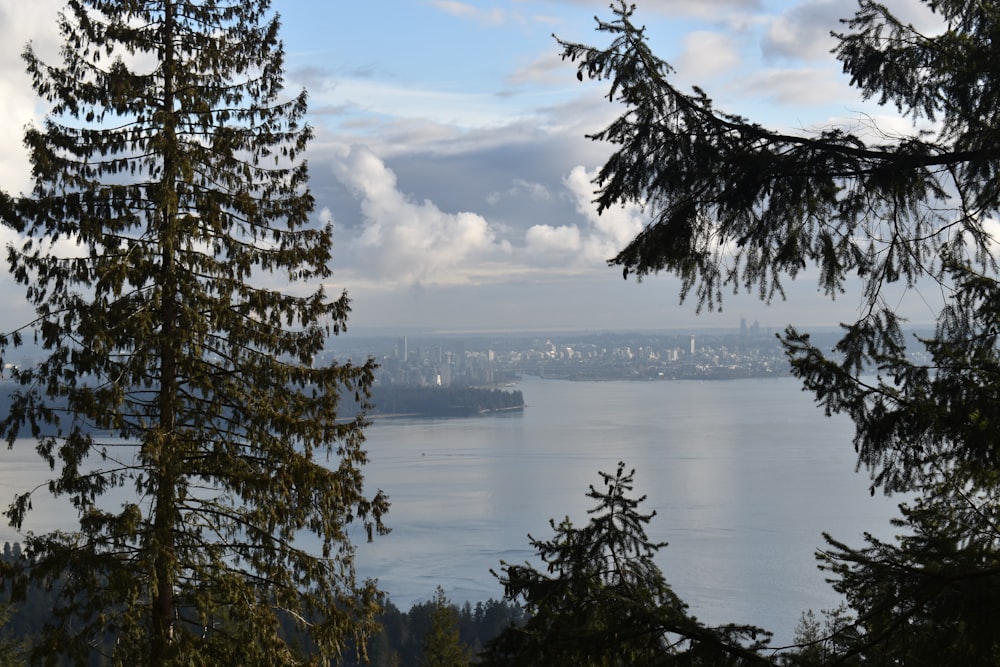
pixel 744 475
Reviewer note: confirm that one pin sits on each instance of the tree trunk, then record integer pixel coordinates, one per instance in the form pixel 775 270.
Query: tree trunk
pixel 165 460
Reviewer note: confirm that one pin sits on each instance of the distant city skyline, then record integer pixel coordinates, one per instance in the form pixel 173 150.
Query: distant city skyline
pixel 451 158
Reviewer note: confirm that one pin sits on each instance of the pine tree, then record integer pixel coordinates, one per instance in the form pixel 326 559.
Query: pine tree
pixel 602 601
pixel 170 256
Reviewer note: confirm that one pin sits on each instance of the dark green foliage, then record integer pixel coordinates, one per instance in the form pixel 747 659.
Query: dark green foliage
pixel 398 641
pixel 603 601
pixel 12 651
pixel 168 251
pixel 403 635
pixel 916 419
pixel 736 205
pixel 830 641
pixel 932 598
pixel 442 647
pixel 13 630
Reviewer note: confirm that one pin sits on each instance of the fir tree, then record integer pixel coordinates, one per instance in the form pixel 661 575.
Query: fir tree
pixel 737 205
pixel 442 647
pixel 932 597
pixel 170 256
pixel 603 602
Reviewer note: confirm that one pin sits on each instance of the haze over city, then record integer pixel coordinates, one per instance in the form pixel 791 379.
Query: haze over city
pixel 451 156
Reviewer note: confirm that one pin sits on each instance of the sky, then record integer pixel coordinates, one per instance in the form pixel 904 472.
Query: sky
pixel 451 154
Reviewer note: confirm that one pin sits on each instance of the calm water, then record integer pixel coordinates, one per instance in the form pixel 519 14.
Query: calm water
pixel 744 476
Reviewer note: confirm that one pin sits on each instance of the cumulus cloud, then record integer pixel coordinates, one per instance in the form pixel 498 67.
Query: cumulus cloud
pixel 21 105
pixel 400 240
pixel 546 238
pixel 407 241
pixel 591 243
pixel 618 225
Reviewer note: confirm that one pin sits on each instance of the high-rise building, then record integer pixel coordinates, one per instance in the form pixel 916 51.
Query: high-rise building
pixel 401 349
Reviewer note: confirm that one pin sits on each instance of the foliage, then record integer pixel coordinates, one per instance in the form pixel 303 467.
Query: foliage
pixel 736 205
pixel 821 643
pixel 442 647
pixel 933 598
pixel 11 650
pixel 603 601
pixel 169 197
pixel 398 641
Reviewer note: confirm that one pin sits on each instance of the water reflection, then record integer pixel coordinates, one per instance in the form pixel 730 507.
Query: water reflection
pixel 744 475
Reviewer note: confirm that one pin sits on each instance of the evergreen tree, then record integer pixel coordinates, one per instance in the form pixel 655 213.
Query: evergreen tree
pixel 933 596
pixel 832 641
pixel 11 649
pixel 442 647
pixel 736 205
pixel 603 601
pixel 170 257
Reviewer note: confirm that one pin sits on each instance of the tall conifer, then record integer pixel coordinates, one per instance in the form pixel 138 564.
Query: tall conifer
pixel 736 205
pixel 176 275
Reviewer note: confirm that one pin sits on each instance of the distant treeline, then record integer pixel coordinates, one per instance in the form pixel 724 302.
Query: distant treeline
pixel 393 400
pixel 400 642
pixel 441 401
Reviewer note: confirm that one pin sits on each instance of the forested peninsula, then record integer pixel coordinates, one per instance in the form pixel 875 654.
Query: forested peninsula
pixel 401 401
pixel 390 401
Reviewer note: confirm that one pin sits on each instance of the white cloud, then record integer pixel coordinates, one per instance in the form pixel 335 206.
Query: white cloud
pixel 707 54
pixel 618 225
pixel 435 103
pixel 405 241
pixel 600 238
pixel 546 238
pixel 547 69
pixel 34 20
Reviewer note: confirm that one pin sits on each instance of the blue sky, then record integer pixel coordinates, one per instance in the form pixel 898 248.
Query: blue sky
pixel 450 152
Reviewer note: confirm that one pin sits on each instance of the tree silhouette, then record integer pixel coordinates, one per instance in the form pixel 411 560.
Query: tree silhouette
pixel 603 601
